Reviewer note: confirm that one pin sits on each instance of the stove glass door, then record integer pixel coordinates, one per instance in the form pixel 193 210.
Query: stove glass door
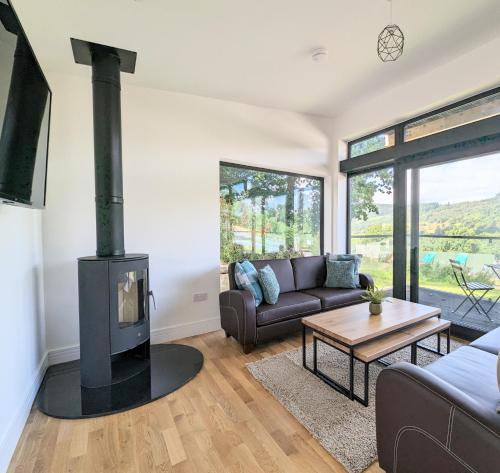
pixel 132 297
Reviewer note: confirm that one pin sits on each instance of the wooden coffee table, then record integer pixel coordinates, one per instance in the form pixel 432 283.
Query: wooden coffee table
pixel 368 338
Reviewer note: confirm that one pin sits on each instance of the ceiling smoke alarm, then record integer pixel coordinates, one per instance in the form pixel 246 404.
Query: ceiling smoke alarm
pixel 319 54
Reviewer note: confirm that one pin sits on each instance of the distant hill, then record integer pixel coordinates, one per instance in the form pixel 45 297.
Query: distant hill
pixel 480 217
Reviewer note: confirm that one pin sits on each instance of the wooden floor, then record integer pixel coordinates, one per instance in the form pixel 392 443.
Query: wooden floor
pixel 222 421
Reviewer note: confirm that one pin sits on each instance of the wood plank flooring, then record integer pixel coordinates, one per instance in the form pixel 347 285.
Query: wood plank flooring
pixel 222 421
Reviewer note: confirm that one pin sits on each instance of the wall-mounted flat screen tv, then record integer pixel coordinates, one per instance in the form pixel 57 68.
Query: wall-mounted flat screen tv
pixel 25 100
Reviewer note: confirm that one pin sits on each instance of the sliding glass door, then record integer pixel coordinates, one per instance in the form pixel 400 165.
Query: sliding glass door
pixel 454 214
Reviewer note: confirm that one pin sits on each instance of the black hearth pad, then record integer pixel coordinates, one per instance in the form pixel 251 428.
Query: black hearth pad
pixel 62 396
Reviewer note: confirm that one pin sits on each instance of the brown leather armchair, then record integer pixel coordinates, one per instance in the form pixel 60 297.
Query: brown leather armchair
pixel 441 418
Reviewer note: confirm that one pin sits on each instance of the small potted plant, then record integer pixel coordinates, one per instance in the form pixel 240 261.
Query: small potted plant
pixel 375 297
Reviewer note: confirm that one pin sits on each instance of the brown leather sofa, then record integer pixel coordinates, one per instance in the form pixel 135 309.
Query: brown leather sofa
pixel 441 418
pixel 301 293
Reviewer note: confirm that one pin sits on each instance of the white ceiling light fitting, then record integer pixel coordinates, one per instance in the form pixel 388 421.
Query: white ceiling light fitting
pixel 391 41
pixel 319 54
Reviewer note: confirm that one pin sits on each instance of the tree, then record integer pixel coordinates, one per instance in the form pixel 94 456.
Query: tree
pixel 254 226
pixel 264 185
pixel 363 190
pixel 233 188
pixel 256 203
pixel 290 212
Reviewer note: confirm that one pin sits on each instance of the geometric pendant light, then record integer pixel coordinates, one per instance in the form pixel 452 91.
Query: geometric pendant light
pixel 391 41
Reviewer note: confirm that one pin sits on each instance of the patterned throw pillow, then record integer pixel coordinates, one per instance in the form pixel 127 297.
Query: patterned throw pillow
pixel 355 258
pixel 340 274
pixel 269 284
pixel 246 278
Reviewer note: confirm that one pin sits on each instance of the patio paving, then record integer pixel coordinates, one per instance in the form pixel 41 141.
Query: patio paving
pixel 448 302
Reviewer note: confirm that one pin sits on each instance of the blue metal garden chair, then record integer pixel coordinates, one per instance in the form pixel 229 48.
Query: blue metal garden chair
pixel 470 289
pixel 429 257
pixel 462 258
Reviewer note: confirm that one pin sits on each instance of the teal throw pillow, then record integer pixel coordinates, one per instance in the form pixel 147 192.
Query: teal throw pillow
pixel 355 258
pixel 269 284
pixel 340 274
pixel 247 278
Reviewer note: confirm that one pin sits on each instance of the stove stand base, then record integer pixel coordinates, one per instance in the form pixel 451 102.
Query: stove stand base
pixel 61 394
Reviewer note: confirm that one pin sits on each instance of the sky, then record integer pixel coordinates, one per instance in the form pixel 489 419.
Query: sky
pixel 467 180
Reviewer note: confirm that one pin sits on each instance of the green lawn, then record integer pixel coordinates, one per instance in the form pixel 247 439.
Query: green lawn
pixel 382 275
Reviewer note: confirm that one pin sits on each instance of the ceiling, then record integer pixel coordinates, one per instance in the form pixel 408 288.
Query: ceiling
pixel 258 52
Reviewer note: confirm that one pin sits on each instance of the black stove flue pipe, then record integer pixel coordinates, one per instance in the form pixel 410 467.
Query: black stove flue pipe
pixel 108 153
pixel 107 63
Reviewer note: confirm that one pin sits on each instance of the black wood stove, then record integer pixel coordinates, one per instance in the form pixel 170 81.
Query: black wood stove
pixel 118 369
pixel 114 318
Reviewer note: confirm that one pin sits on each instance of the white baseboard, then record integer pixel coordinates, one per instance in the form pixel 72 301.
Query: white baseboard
pixel 15 428
pixel 61 355
pixel 175 332
pixel 158 335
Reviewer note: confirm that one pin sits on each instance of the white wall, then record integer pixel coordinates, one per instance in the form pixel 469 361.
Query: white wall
pixel 172 145
pixel 22 347
pixel 466 75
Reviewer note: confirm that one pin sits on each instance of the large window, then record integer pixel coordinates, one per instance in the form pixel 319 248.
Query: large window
pixel 268 214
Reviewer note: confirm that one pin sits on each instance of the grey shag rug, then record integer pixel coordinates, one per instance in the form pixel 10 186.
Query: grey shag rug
pixel 345 428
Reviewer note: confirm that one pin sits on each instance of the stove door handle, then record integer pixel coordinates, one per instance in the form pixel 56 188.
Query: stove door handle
pixel 150 294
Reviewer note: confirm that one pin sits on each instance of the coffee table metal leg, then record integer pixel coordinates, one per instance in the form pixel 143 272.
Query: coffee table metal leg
pixel 351 374
pixel 304 346
pixel 438 350
pixel 367 380
pixel 315 354
pixel 414 353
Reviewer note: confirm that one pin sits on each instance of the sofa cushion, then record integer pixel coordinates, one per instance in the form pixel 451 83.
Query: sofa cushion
pixel 340 274
pixel 282 269
pixel 309 272
pixel 472 371
pixel 246 278
pixel 333 297
pixel 348 257
pixel 289 306
pixel 269 284
pixel 489 342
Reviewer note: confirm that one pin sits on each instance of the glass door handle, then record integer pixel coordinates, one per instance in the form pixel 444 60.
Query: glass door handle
pixel 150 294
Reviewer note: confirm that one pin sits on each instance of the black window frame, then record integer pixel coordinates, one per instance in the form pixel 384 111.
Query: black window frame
pixel 487 127
pixel 473 139
pixel 321 180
